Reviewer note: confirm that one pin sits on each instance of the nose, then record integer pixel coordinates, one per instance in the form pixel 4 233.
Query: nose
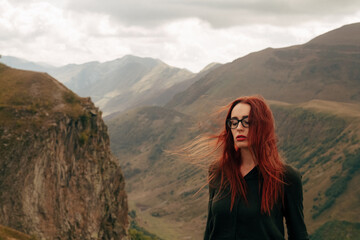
pixel 240 126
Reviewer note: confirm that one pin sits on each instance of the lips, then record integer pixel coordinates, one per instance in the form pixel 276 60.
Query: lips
pixel 240 138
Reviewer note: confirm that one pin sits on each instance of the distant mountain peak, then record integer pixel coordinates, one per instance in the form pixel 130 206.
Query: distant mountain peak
pixel 132 58
pixel 19 63
pixel 210 66
pixel 347 35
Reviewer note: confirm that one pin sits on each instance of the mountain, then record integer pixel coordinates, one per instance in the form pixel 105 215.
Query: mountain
pixel 314 92
pixel 131 81
pixel 58 177
pixel 166 94
pixel 325 68
pixel 120 84
pixel 25 65
pixel 344 38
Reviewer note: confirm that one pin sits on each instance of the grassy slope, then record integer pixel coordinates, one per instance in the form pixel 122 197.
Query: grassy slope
pixel 325 147
pixel 337 230
pixel 26 93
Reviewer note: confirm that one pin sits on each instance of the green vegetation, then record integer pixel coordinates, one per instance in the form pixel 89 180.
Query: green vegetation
pixel 138 233
pixel 85 119
pixel 31 97
pixel 350 166
pixel 320 209
pixel 337 230
pixel 307 135
pixel 352 161
pixel 308 139
pixel 144 125
pixel 70 98
pixel 132 214
pixel 335 189
pixel 83 137
pixel 325 158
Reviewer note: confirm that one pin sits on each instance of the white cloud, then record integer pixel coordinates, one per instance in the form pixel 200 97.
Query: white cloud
pixel 40 31
pixel 219 13
pixel 47 31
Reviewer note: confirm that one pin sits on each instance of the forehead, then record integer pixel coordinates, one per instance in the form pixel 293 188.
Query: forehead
pixel 240 110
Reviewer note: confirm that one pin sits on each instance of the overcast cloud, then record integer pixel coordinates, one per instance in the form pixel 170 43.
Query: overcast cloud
pixel 219 13
pixel 182 33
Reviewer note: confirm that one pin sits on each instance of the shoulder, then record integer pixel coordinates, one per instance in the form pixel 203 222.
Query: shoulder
pixel 292 179
pixel 292 176
pixel 214 175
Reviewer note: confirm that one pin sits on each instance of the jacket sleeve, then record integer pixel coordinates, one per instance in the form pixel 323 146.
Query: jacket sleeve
pixel 209 223
pixel 293 205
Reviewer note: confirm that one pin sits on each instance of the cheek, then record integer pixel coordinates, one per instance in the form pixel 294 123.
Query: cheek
pixel 248 136
pixel 247 131
pixel 233 133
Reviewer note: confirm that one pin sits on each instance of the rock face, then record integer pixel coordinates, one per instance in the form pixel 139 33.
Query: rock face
pixel 58 178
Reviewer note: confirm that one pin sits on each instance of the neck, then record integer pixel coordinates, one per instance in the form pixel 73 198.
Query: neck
pixel 247 161
pixel 247 158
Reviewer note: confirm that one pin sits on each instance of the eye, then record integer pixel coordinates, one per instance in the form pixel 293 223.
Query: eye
pixel 246 121
pixel 234 122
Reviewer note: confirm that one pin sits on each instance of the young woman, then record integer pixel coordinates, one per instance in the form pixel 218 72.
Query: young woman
pixel 251 189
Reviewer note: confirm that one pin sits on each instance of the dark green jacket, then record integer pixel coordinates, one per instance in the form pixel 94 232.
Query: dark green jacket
pixel 246 222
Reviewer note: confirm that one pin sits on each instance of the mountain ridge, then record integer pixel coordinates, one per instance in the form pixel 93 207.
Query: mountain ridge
pixel 343 36
pixel 293 74
pixel 123 83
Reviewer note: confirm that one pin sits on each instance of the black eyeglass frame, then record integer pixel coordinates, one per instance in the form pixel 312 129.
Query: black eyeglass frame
pixel 229 122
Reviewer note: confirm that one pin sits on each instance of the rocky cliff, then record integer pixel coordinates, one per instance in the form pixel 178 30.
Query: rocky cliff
pixel 58 178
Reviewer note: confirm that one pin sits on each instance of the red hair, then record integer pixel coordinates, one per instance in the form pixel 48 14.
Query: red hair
pixel 262 143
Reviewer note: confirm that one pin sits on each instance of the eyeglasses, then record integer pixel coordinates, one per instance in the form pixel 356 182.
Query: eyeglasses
pixel 234 122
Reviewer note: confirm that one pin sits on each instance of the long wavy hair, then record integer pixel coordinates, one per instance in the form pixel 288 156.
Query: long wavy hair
pixel 262 144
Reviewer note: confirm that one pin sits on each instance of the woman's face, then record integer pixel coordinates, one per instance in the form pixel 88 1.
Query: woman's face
pixel 240 132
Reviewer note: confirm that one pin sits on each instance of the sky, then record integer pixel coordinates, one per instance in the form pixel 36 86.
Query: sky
pixel 182 33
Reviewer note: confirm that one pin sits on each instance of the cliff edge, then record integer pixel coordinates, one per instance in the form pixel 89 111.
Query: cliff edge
pixel 58 178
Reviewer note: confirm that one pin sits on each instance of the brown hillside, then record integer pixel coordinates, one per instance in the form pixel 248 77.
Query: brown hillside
pixel 294 74
pixel 348 35
pixel 35 95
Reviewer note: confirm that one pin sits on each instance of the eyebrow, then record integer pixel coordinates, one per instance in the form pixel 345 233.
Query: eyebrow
pixel 246 116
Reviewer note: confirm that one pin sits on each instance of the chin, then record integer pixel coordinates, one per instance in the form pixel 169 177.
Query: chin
pixel 241 145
